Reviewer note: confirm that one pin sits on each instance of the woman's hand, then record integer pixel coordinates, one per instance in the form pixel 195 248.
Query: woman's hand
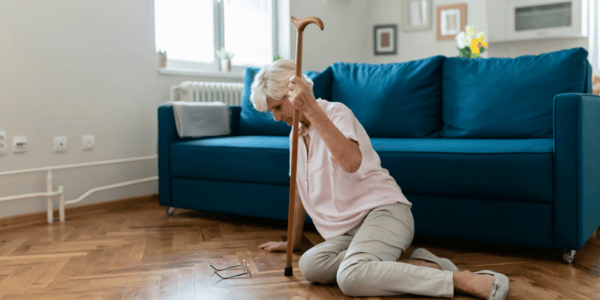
pixel 273 246
pixel 301 95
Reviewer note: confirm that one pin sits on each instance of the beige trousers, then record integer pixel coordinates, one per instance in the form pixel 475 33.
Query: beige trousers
pixel 363 260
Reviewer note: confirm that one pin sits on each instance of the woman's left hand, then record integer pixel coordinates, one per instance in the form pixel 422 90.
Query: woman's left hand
pixel 301 95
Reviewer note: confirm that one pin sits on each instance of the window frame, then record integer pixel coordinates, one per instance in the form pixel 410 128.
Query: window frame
pixel 219 41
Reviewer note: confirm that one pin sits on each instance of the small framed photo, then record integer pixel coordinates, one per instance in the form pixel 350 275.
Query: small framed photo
pixel 450 20
pixel 417 15
pixel 385 39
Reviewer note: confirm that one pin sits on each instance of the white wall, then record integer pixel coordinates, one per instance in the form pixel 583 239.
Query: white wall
pixel 423 44
pixel 72 67
pixel 348 34
pixel 417 44
pixel 343 35
pixel 514 49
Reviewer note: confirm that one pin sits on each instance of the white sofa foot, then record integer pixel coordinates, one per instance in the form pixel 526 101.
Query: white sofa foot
pixel 568 255
pixel 170 211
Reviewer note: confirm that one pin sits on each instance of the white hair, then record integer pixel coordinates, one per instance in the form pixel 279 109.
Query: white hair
pixel 272 82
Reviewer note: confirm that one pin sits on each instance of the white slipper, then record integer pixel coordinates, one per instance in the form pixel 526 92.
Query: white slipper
pixel 444 263
pixel 500 287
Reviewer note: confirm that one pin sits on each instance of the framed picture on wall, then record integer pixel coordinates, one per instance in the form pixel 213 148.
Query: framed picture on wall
pixel 416 15
pixel 451 19
pixel 385 39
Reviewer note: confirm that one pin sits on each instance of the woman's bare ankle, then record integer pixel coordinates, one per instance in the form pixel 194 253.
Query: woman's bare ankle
pixel 460 280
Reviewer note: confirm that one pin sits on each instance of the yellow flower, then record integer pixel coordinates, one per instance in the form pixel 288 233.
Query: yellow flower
pixel 476 44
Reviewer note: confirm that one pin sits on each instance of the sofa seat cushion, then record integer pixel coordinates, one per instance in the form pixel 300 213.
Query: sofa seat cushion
pixel 251 159
pixel 497 169
pixel 519 169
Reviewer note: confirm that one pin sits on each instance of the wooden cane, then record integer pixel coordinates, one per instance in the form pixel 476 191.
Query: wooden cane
pixel 300 25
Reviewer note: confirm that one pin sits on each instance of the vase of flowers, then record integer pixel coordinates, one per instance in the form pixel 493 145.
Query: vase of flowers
pixel 471 44
pixel 225 58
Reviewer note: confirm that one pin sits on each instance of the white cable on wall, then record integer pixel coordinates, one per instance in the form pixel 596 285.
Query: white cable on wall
pixel 49 194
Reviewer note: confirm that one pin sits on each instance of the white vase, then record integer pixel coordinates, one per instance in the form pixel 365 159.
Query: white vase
pixel 162 59
pixel 225 65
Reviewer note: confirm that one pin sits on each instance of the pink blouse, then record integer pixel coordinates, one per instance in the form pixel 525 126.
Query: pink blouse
pixel 337 200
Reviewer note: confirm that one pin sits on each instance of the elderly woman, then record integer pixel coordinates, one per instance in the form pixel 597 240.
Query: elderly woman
pixel 355 204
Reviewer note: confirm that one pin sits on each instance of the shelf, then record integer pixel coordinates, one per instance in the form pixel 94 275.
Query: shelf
pixel 203 74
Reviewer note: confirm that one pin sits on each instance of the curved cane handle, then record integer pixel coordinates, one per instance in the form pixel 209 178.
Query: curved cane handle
pixel 302 23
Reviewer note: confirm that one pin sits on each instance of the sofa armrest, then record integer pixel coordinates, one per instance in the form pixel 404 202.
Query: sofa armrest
pixel 167 135
pixel 576 124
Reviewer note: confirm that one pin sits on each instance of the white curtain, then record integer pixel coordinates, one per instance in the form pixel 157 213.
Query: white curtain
pixel 594 27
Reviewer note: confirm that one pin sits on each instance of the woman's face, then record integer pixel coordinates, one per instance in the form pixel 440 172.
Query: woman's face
pixel 281 109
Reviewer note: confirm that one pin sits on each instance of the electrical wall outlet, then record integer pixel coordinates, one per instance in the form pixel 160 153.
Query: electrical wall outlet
pixel 19 144
pixel 3 143
pixel 88 142
pixel 60 144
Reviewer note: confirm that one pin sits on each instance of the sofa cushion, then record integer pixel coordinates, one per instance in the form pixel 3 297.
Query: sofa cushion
pixel 253 122
pixel 520 169
pixel 394 99
pixel 252 159
pixel 233 198
pixel 508 97
pixel 502 169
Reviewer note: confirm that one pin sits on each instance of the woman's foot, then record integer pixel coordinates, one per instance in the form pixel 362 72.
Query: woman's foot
pixel 478 285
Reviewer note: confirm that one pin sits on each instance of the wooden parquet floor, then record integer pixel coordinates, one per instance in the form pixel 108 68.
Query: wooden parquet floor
pixel 137 252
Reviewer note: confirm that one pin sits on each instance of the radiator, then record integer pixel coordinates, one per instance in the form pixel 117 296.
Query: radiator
pixel 229 93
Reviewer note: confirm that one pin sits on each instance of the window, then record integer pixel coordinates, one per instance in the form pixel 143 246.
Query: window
pixel 191 31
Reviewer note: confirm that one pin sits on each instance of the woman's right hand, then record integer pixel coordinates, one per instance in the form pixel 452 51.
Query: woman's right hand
pixel 273 247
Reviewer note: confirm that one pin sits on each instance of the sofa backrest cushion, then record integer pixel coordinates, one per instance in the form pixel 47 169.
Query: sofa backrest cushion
pixel 508 97
pixel 589 84
pixel 394 99
pixel 253 122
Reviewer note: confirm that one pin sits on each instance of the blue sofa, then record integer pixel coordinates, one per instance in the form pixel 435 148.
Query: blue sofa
pixel 509 144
